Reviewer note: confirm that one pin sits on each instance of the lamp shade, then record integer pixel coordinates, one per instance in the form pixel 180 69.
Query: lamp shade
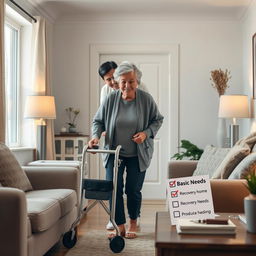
pixel 40 107
pixel 234 106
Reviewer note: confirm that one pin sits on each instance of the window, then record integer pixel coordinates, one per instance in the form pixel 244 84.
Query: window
pixel 17 77
pixel 12 53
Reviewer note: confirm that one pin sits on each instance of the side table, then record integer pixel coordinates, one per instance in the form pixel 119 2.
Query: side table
pixel 69 146
pixel 59 163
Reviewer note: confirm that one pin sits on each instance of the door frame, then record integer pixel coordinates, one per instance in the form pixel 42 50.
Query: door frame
pixel 171 50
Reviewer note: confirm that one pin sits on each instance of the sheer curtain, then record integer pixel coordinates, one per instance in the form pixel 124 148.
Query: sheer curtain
pixel 2 97
pixel 40 75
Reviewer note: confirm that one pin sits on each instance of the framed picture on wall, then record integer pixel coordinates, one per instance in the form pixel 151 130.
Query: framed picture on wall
pixel 254 64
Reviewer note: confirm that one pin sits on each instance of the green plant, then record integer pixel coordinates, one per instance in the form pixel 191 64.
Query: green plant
pixel 251 182
pixel 192 152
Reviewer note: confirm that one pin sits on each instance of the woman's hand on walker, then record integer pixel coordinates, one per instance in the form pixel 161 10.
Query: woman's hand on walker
pixel 139 137
pixel 93 143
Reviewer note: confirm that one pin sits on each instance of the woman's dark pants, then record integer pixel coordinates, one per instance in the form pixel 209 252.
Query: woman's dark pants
pixel 133 186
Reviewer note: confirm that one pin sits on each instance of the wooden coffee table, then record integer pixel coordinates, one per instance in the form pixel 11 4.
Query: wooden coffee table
pixel 168 242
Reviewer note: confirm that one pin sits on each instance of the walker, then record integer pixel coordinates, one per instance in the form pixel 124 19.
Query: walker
pixel 97 190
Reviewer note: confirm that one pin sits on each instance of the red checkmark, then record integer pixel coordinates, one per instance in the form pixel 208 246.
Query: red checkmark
pixel 172 184
pixel 174 193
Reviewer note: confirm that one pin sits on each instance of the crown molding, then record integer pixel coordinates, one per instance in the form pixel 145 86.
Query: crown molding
pixel 35 9
pixel 142 19
pixel 246 12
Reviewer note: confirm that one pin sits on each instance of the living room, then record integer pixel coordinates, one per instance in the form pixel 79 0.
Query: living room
pixel 187 40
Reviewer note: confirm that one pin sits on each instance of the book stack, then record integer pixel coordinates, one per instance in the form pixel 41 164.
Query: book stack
pixel 188 226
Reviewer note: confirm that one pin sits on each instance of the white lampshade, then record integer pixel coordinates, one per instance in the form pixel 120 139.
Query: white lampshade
pixel 40 107
pixel 234 106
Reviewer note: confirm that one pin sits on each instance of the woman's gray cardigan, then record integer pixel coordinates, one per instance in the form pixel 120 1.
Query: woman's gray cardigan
pixel 149 121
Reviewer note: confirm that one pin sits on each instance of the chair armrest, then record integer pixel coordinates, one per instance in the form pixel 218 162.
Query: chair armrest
pixel 53 177
pixel 181 168
pixel 13 222
pixel 228 195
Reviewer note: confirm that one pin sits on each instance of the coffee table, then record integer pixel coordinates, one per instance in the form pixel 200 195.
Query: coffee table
pixel 168 242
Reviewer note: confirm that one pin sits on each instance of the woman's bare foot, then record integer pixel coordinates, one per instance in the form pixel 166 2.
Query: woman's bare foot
pixel 121 230
pixel 131 233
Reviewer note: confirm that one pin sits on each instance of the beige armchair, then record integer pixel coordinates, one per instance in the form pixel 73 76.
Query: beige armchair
pixel 32 222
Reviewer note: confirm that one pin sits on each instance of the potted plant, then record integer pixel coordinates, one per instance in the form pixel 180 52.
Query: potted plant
pixel 72 115
pixel 192 152
pixel 250 202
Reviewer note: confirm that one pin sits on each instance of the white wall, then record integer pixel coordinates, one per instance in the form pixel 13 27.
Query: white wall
pixel 204 46
pixel 249 29
pixel 24 155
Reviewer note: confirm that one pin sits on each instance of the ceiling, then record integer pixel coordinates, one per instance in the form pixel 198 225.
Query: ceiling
pixel 162 9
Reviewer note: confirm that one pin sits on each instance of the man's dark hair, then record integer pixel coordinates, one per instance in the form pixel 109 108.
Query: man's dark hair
pixel 106 67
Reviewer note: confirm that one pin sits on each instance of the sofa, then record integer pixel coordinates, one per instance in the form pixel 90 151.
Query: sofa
pixel 227 168
pixel 228 195
pixel 37 212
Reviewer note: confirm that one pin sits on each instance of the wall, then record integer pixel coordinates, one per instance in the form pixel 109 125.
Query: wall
pixel 204 46
pixel 249 29
pixel 24 155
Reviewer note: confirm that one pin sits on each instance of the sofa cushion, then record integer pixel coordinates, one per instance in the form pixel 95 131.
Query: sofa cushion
pixel 231 160
pixel 43 213
pixel 210 160
pixel 249 141
pixel 67 198
pixel 247 165
pixel 11 174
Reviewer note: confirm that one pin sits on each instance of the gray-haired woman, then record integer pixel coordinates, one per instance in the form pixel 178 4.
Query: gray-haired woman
pixel 131 119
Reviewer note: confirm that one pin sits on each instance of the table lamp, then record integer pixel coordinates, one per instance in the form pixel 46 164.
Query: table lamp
pixel 234 106
pixel 40 108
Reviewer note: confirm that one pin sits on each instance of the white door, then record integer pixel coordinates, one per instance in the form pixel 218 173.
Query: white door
pixel 155 67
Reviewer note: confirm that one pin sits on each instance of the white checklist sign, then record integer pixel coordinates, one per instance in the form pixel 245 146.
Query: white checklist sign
pixel 190 198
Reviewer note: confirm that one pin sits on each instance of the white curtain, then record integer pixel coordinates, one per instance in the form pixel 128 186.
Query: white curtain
pixel 40 74
pixel 2 72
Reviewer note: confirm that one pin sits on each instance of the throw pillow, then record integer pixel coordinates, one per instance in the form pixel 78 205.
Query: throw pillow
pixel 210 160
pixel 249 140
pixel 232 159
pixel 247 165
pixel 11 173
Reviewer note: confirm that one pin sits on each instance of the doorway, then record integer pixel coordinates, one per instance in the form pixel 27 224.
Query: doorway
pixel 159 66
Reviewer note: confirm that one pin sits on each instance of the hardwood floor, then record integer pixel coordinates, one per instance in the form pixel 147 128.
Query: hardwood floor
pixel 97 218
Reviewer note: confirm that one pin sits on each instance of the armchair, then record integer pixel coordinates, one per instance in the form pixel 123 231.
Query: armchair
pixel 32 222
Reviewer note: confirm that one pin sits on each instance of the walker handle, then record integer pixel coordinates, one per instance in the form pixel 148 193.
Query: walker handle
pixel 91 150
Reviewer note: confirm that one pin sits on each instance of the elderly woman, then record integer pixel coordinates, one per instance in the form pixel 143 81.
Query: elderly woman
pixel 131 119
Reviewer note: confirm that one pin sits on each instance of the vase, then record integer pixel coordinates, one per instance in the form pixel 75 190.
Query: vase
pixel 250 212
pixel 222 133
pixel 63 129
pixel 72 129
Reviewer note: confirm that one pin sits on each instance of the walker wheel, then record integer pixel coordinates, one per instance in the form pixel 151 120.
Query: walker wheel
pixel 69 239
pixel 117 244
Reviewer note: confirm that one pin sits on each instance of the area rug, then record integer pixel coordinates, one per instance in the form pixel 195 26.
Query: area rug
pixel 95 243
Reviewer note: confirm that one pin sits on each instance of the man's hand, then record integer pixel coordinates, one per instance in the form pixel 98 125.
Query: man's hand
pixel 139 137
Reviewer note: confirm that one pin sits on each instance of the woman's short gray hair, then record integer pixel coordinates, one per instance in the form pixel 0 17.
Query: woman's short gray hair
pixel 126 67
